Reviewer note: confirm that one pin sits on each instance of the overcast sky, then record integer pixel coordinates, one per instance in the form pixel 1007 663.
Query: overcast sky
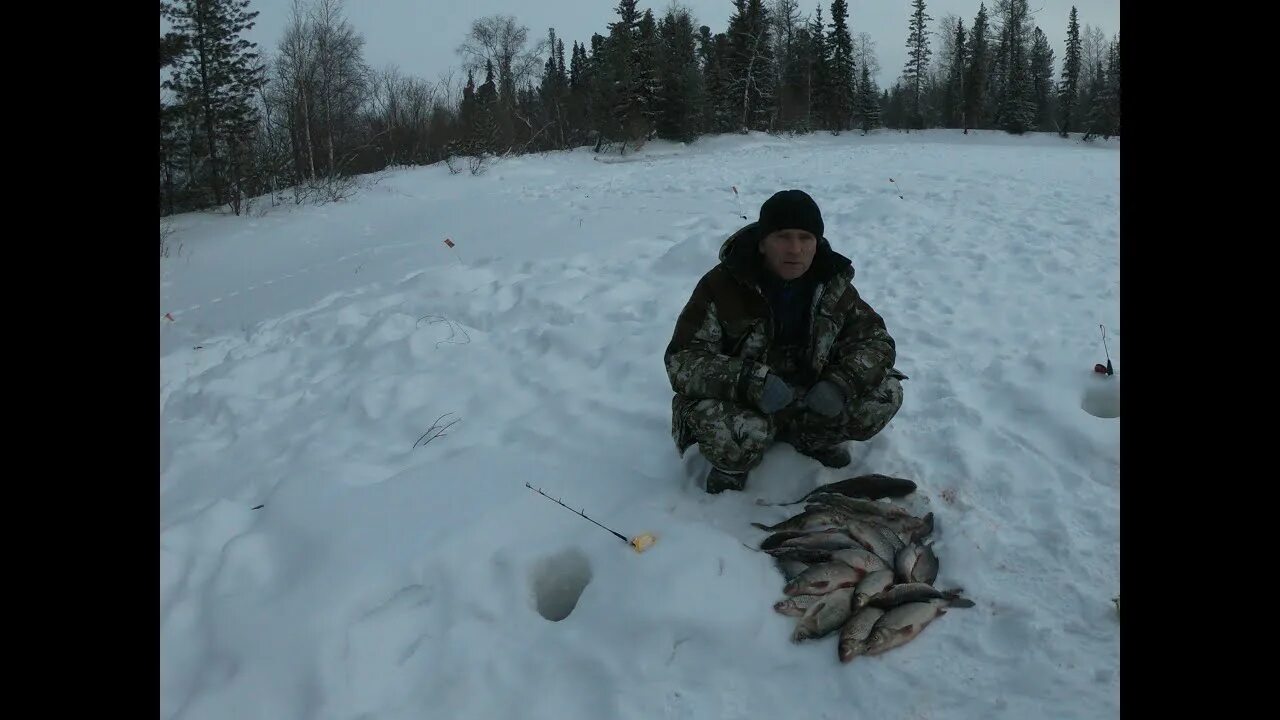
pixel 422 36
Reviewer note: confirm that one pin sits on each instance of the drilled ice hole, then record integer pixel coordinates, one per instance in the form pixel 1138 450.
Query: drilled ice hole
pixel 1102 397
pixel 558 582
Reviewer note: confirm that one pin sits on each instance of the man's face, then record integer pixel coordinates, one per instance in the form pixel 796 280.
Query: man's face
pixel 789 253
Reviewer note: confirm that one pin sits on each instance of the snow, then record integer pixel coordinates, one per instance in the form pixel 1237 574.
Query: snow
pixel 311 348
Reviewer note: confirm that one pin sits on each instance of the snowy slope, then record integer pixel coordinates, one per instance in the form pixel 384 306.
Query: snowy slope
pixel 311 347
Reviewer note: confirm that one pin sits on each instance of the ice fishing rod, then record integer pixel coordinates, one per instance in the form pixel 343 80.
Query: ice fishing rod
pixel 639 543
pixel 741 214
pixel 1108 370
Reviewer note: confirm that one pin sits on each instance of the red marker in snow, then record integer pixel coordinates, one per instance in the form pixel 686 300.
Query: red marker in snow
pixel 169 317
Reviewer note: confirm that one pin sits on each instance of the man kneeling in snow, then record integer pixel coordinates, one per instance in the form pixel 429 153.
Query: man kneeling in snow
pixel 776 344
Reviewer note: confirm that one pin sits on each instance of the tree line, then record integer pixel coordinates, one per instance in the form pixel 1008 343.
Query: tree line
pixel 298 123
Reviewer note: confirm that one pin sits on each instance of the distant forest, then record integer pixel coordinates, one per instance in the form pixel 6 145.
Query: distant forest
pixel 297 124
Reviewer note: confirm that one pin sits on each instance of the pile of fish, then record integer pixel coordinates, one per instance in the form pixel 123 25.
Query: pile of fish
pixel 859 566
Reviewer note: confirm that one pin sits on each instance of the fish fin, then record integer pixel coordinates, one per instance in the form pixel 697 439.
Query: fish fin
pixel 803 630
pixel 762 526
pixel 778 539
pixel 925 529
pixel 962 602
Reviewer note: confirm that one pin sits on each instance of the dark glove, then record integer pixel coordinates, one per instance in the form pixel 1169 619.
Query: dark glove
pixel 825 398
pixel 777 394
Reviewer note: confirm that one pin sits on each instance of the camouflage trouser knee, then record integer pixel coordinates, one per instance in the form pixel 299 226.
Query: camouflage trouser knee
pixel 730 436
pixel 860 420
pixel 734 438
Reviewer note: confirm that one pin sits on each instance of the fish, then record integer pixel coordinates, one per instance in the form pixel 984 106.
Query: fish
pixel 828 510
pixel 833 539
pixel 863 507
pixel 796 605
pixel 816 519
pixel 824 617
pixel 840 503
pixel 777 539
pixel 870 586
pixel 889 536
pixel 916 563
pixel 822 579
pixel 791 569
pixel 907 528
pixel 807 556
pixel 924 530
pixel 854 634
pixel 874 539
pixel 860 558
pixel 904 593
pixel 896 534
pixel 873 486
pixel 836 504
pixel 903 623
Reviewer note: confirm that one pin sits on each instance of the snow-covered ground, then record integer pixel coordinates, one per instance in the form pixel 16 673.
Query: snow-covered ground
pixel 312 347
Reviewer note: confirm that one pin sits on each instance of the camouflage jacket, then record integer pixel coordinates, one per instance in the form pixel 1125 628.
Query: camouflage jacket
pixel 724 335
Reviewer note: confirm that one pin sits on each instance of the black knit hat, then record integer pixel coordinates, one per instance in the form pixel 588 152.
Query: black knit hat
pixel 791 209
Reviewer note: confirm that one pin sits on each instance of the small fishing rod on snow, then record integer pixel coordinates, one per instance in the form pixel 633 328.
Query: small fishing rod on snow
pixel 1100 368
pixel 741 213
pixel 639 543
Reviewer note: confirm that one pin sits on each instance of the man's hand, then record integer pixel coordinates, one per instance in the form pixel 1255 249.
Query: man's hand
pixel 825 398
pixel 777 394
